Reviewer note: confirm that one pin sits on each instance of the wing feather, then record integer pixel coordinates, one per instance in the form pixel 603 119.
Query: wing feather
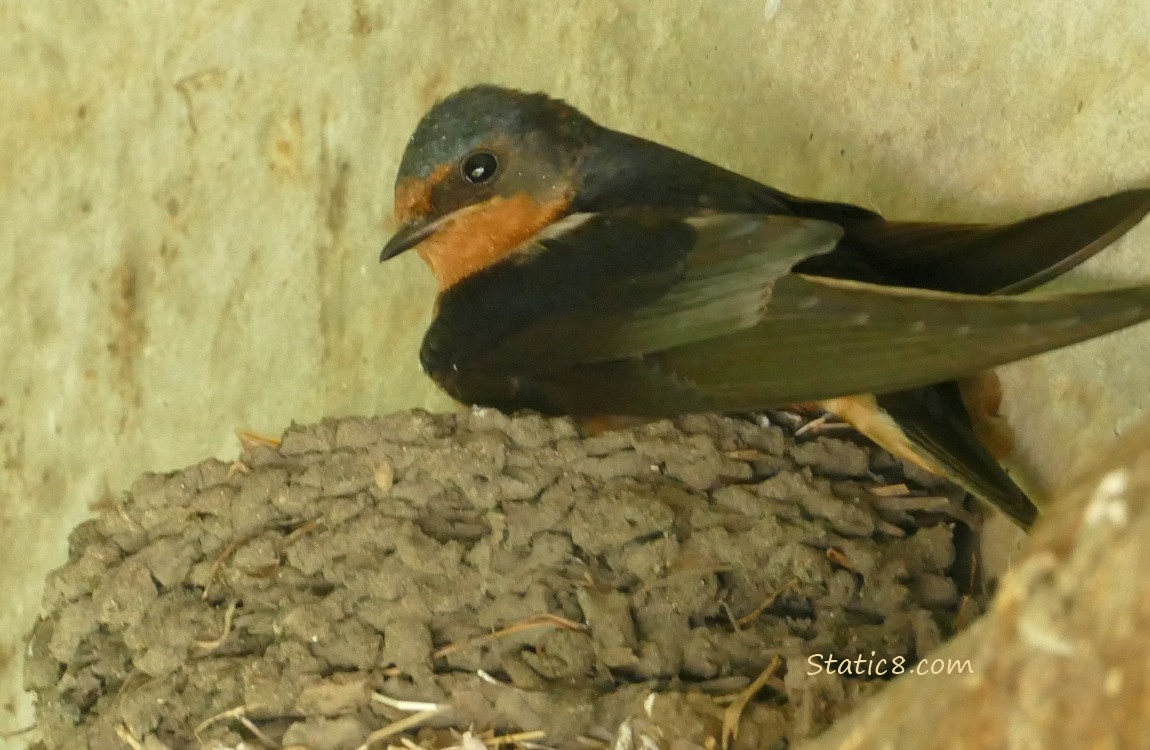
pixel 720 322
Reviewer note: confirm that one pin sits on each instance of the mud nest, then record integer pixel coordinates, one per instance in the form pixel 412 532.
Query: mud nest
pixel 501 574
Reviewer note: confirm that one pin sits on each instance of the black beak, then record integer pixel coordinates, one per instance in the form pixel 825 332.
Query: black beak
pixel 408 236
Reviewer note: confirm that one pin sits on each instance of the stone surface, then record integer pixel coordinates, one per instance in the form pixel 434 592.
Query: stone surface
pixel 194 196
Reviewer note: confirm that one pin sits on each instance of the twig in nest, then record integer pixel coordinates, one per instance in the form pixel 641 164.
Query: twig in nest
pixel 538 621
pixel 514 739
pixel 126 735
pixel 133 676
pixel 238 467
pixel 405 706
pixel 746 454
pixel 774 683
pixel 734 712
pixel 216 643
pixel 222 558
pixel 826 422
pixel 487 678
pixel 838 557
pixel 231 713
pixel 730 616
pixel 249 440
pixel 251 725
pixel 408 722
pixel 11 734
pixel 410 744
pixel 624 736
pixel 298 528
pixel 305 528
pixel 469 741
pixel 751 616
pixel 702 569
pixel 239 713
pixel 890 490
pixel 123 513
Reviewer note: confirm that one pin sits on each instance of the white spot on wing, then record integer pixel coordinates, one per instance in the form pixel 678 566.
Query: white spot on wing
pixel 861 319
pixel 563 226
pixel 771 9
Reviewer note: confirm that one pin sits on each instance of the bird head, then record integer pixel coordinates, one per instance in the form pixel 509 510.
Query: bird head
pixel 486 169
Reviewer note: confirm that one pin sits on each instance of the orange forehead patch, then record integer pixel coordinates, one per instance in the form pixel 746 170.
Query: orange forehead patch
pixel 413 196
pixel 485 234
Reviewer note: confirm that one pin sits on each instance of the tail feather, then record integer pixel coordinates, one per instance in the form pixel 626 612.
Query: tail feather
pixel 986 259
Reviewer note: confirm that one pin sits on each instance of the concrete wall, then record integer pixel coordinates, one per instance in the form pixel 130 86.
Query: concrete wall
pixel 193 196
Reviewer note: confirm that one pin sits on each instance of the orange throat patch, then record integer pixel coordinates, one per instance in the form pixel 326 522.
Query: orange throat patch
pixel 485 234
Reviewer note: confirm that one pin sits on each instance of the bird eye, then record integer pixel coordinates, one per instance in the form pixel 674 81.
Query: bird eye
pixel 479 167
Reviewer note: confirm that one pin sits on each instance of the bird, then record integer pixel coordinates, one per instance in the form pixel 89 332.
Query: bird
pixel 588 272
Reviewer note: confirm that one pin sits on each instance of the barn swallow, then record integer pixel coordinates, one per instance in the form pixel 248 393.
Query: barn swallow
pixel 587 272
